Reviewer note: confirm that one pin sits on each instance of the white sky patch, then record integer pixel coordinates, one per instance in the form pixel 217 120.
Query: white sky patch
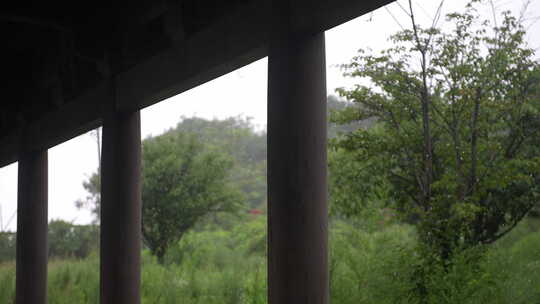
pixel 8 197
pixel 240 93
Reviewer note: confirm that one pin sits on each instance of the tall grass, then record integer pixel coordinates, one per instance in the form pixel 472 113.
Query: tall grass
pixel 378 266
pixel 385 267
pixel 7 282
pixel 74 281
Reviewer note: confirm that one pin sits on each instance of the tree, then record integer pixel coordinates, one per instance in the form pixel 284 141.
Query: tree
pixel 333 104
pixel 71 241
pixel 7 246
pixel 92 185
pixel 350 198
pixel 457 127
pixel 236 136
pixel 183 181
pixel 93 200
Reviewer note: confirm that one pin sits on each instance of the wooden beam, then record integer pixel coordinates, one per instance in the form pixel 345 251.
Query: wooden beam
pixel 120 245
pixel 228 44
pixel 32 251
pixel 297 194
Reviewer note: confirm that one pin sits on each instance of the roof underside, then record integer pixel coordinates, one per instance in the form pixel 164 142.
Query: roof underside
pixel 67 62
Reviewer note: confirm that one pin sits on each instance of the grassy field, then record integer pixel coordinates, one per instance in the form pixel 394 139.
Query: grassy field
pixel 379 266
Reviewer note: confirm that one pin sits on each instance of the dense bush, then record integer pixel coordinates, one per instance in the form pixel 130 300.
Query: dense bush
pixel 381 265
pixel 386 266
pixel 370 267
pixel 67 240
pixel 7 246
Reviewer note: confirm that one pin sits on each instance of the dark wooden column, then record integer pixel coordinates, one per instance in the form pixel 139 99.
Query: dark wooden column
pixel 31 273
pixel 297 194
pixel 121 209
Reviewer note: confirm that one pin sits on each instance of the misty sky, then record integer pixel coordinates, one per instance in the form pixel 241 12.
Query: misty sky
pixel 242 92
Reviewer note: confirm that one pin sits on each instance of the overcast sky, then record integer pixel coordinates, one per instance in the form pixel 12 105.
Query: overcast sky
pixel 242 92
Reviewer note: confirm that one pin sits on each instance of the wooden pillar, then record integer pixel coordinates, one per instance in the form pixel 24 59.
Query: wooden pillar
pixel 121 209
pixel 32 251
pixel 297 194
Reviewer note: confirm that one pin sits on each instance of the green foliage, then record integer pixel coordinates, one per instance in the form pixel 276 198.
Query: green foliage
pixel 209 267
pixel 370 267
pixel 7 246
pixel 456 134
pixel 385 266
pixel 192 168
pixel 7 282
pixel 67 240
pixel 74 281
pixel 376 267
pixel 236 136
pixel 217 266
pixel 248 238
pixel 355 193
pixel 335 104
pixel 93 200
pixel 461 278
pixel 183 181
pixel 350 196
